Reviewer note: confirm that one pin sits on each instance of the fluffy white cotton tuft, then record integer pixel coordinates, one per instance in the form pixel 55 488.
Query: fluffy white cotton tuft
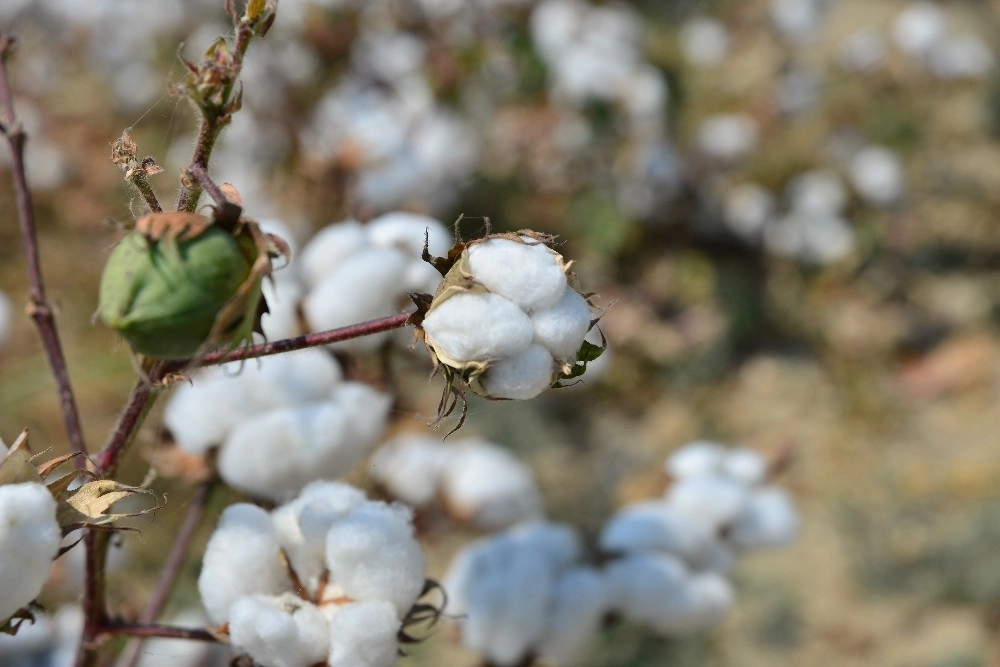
pixel 29 540
pixel 283 631
pixel 409 467
pixel 770 520
pixel 330 247
pixel 713 500
pixel 695 458
pixel 520 376
pixel 363 635
pixel 655 526
pixel 579 601
pixel 527 274
pixel 406 231
pixel 562 327
pixel 476 327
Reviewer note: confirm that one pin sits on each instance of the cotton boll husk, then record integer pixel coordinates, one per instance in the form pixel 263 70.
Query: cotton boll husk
pixel 283 631
pixel 701 457
pixel 713 500
pixel 409 467
pixel 528 273
pixel 287 380
pixel 363 287
pixel 242 558
pixel 521 376
pixel 29 540
pixel 201 414
pixel 475 326
pixel 366 409
pixel 363 634
pixel 303 523
pixel 329 248
pixel 562 327
pixel 372 555
pixel 406 232
pixel 744 465
pixel 484 484
pixel 655 526
pixel 275 455
pixel 769 521
pixel 877 175
pixel 579 601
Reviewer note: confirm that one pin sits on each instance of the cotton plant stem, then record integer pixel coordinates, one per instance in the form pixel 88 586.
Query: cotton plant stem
pixel 171 568
pixel 95 545
pixel 40 310
pixel 158 630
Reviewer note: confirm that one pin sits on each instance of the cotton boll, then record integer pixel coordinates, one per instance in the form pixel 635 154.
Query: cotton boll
pixel 863 50
pixel 283 631
pixel 287 380
pixel 29 541
pixel 406 231
pixel 242 558
pixel 556 543
pixel 655 526
pixel 329 248
pixel 421 277
pixel 528 273
pixel 711 597
pixel 712 500
pixel 919 27
pixel 554 25
pixel 579 601
pixel 877 175
pixel 362 287
pixel 410 468
pixel 366 409
pixel 372 555
pixel 810 237
pixel 704 41
pixel 475 326
pixel 798 20
pixel 746 208
pixel 770 520
pixel 647 587
pixel 819 191
pixel 201 414
pixel 276 454
pixel 562 327
pixel 520 376
pixel 282 293
pixel 364 634
pixel 694 459
pixel 745 465
pixel 960 57
pixel 727 136
pixel 486 485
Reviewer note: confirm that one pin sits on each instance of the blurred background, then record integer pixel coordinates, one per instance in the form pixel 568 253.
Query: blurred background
pixel 788 208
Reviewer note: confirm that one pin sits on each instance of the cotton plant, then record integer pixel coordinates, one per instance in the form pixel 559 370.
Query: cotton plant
pixel 326 578
pixel 475 481
pixel 278 423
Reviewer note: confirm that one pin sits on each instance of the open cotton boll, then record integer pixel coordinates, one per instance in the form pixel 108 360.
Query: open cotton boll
pixel 364 634
pixel 817 191
pixel 727 136
pixel 282 293
pixel 746 208
pixel 474 326
pixel 291 379
pixel 421 277
pixel 366 409
pixel 276 454
pixel 810 237
pixel 701 457
pixel 579 601
pixel 406 231
pixel 555 542
pixel 710 596
pixel 918 27
pixel 713 500
pixel 655 526
pixel 744 465
pixel 521 376
pixel 242 558
pixel 562 327
pixel 769 521
pixel 201 414
pixel 526 273
pixel 704 41
pixel 648 587
pixel 29 540
pixel 862 50
pixel 329 248
pixel 877 175
pixel 487 486
pixel 372 555
pixel 284 631
pixel 409 467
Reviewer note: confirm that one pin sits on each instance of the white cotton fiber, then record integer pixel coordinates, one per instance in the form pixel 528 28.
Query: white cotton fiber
pixel 282 293
pixel 366 410
pixel 476 327
pixel 409 467
pixel 241 558
pixel 329 248
pixel 363 634
pixel 745 465
pixel 696 458
pixel 281 380
pixel 29 540
pixel 769 520
pixel 276 454
pixel 562 327
pixel 713 500
pixel 487 486
pixel 555 542
pixel 283 631
pixel 653 589
pixel 372 555
pixel 406 231
pixel 655 526
pixel 201 413
pixel 527 274
pixel 579 601
pixel 520 376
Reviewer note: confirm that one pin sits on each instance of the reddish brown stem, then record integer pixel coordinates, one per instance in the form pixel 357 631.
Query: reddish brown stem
pixel 40 309
pixel 147 630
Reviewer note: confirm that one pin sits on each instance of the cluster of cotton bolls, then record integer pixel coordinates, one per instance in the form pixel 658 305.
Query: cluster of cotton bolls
pixel 328 577
pixel 475 481
pixel 278 422
pixel 527 592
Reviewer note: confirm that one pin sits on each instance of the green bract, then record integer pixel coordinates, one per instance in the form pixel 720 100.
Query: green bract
pixel 165 295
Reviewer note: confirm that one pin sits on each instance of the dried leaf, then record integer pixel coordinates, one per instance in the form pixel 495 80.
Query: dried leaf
pixel 89 504
pixel 177 225
pixel 16 466
pixel 46 468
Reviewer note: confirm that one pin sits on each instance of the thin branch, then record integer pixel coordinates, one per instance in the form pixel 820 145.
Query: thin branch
pixel 171 567
pixel 157 630
pixel 40 310
pixel 95 545
pixel 140 401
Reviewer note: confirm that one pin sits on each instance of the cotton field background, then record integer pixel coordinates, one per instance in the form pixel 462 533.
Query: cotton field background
pixel 785 212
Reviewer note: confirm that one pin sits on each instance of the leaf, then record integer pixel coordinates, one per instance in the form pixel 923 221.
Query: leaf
pixel 16 466
pixel 46 468
pixel 89 504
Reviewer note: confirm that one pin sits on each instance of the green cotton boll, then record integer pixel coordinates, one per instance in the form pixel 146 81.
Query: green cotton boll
pixel 164 296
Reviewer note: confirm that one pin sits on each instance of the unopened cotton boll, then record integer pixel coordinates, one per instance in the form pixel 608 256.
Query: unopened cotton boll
pixel 727 136
pixel 29 541
pixel 372 555
pixel 363 634
pixel 485 485
pixel 704 41
pixel 242 558
pixel 477 326
pixel 769 521
pixel 283 631
pixel 918 27
pixel 877 175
